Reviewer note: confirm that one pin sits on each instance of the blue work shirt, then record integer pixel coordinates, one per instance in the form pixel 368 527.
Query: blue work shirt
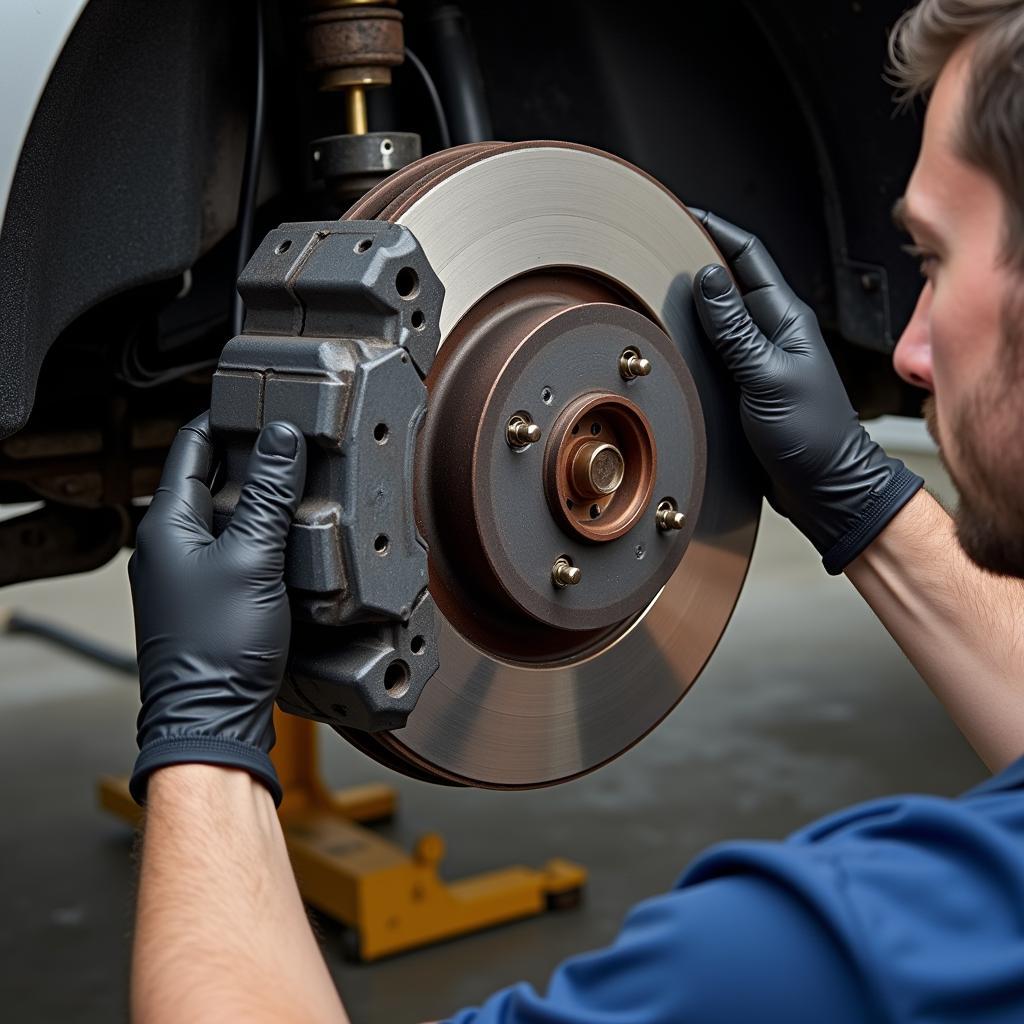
pixel 904 909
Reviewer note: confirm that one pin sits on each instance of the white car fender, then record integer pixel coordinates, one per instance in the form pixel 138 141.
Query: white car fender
pixel 32 36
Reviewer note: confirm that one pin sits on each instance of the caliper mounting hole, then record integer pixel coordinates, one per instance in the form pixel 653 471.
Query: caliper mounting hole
pixel 407 282
pixel 396 679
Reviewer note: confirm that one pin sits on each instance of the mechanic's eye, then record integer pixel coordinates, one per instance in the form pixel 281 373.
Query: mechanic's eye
pixel 925 260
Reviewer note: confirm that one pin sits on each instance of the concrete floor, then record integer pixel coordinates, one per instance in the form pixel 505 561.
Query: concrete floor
pixel 806 706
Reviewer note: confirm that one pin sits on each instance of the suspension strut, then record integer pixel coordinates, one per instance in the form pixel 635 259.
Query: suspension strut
pixel 351 47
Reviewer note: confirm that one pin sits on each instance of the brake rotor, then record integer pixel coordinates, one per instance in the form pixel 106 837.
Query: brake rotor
pixel 544 445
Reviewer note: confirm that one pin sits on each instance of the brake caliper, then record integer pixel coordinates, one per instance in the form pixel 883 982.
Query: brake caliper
pixel 340 331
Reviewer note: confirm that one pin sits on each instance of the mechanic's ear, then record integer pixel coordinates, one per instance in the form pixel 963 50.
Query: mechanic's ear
pixel 273 487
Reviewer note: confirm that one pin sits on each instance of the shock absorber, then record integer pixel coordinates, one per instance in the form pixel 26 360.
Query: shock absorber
pixel 352 45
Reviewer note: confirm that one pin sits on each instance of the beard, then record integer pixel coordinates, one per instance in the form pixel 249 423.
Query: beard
pixel 985 455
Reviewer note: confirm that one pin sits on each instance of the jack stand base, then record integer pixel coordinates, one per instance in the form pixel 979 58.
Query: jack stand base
pixel 393 901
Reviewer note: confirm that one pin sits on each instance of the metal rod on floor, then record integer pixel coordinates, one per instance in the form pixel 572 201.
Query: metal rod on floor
pixel 14 621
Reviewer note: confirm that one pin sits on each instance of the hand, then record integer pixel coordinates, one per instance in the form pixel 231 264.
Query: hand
pixel 212 622
pixel 825 472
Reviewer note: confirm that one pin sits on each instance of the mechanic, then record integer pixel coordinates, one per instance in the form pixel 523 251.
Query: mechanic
pixel 907 908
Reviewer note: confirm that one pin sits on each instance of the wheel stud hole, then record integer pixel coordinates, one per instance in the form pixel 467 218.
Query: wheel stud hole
pixel 396 679
pixel 380 433
pixel 595 511
pixel 595 429
pixel 407 282
pixel 381 544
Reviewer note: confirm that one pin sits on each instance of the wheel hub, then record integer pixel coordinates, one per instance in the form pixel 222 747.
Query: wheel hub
pixel 496 516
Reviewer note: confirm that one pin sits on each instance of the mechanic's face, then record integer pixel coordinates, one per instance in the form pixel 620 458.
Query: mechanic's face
pixel 965 341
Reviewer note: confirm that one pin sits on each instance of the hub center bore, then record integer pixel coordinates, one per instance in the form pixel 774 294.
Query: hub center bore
pixel 601 466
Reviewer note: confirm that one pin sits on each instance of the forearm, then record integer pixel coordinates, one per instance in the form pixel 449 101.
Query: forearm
pixel 958 625
pixel 221 933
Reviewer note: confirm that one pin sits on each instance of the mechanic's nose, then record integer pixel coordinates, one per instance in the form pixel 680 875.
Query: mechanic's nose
pixel 912 357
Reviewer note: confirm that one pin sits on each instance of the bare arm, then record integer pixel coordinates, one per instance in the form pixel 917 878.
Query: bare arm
pixel 961 627
pixel 221 933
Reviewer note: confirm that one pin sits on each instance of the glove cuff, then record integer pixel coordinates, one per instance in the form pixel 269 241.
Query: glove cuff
pixel 198 749
pixel 878 511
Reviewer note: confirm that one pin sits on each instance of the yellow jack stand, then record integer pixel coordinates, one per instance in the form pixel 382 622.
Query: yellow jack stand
pixel 391 900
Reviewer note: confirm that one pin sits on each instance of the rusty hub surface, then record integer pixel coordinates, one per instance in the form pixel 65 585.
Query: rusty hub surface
pixel 544 348
pixel 601 466
pixel 541 682
pixel 353 43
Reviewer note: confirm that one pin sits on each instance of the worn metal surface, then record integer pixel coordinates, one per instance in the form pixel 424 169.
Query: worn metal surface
pixel 352 44
pixel 485 720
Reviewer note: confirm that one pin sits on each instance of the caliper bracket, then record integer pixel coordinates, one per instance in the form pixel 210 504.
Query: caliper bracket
pixel 341 328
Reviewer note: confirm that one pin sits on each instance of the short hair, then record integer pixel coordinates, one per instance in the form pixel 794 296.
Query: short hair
pixel 991 132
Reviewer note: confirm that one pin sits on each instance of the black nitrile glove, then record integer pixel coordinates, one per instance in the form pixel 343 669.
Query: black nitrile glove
pixel 825 472
pixel 212 622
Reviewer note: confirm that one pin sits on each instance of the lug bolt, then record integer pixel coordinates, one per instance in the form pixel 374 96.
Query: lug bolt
pixel 520 432
pixel 564 573
pixel 633 365
pixel 668 517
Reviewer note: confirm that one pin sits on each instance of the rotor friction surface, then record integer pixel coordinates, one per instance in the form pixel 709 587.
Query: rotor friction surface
pixel 486 214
